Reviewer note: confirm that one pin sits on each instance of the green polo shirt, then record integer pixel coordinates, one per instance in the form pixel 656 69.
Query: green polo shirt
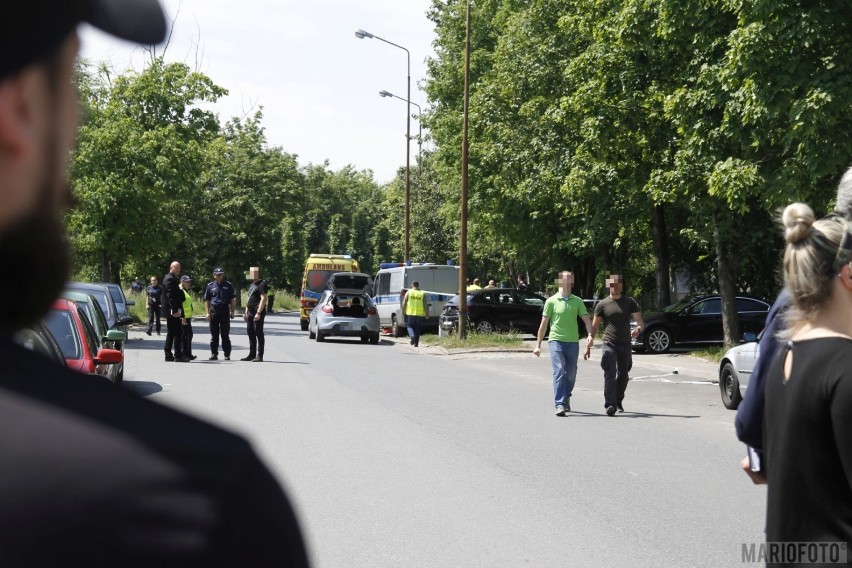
pixel 563 314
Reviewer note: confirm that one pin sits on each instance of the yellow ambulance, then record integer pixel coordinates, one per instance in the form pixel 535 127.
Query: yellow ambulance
pixel 318 269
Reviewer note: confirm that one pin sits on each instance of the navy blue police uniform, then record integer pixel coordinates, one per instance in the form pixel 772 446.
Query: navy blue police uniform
pixel 219 298
pixel 154 293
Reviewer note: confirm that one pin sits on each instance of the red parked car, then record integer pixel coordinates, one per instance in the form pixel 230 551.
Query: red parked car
pixel 78 340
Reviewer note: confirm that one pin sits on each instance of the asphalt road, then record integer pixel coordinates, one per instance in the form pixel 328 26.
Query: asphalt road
pixel 396 456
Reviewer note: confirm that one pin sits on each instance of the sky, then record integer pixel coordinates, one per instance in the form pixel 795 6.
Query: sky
pixel 300 60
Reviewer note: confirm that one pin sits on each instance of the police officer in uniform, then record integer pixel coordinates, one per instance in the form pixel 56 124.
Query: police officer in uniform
pixel 155 294
pixel 173 304
pixel 414 308
pixel 220 302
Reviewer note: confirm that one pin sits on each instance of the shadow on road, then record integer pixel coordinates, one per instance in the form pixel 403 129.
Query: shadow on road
pixel 143 388
pixel 603 414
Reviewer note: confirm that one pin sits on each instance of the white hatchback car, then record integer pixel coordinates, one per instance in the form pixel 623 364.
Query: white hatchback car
pixel 345 309
pixel 735 369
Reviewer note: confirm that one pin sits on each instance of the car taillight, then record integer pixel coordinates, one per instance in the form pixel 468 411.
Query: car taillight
pixel 308 303
pixel 327 309
pixel 371 311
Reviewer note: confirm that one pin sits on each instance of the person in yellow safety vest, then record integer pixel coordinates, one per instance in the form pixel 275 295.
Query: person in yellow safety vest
pixel 414 308
pixel 474 286
pixel 186 320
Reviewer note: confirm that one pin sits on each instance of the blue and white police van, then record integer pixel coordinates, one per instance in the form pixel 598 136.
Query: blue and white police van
pixel 438 282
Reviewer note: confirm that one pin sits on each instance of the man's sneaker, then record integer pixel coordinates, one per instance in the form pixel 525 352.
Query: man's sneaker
pixel 169 358
pixel 193 357
pixel 227 357
pixel 182 359
pixel 148 332
pixel 257 360
pixel 560 410
pixel 620 408
pixel 247 358
pixel 568 405
pixel 213 358
pixel 610 410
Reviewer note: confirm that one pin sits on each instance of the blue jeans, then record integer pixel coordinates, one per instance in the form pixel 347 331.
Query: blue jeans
pixel 563 359
pixel 413 323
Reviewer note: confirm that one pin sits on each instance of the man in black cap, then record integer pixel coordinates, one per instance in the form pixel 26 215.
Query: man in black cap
pixel 220 303
pixel 94 475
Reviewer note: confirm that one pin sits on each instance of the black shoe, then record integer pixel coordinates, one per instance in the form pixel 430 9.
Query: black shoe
pixel 169 358
pixel 620 408
pixel 182 359
pixel 247 358
pixel 158 333
pixel 193 357
pixel 610 410
pixel 227 357
pixel 257 360
pixel 148 332
pixel 213 358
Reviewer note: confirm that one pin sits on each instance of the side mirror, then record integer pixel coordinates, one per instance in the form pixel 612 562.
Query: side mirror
pixel 749 336
pixel 115 335
pixel 131 303
pixel 124 321
pixel 108 357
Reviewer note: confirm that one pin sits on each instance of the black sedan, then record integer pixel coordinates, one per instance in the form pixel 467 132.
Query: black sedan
pixel 697 319
pixel 496 309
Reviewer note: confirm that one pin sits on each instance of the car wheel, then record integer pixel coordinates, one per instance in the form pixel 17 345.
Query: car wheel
pixel 320 337
pixel 658 340
pixel 729 384
pixel 365 338
pixel 311 334
pixel 398 331
pixel 374 339
pixel 484 326
pixel 304 325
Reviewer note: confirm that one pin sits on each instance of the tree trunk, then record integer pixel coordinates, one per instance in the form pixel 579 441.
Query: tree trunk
pixel 105 267
pixel 730 320
pixel 661 256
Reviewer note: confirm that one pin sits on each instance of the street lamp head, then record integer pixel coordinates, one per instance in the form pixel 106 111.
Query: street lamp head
pixel 385 94
pixel 361 34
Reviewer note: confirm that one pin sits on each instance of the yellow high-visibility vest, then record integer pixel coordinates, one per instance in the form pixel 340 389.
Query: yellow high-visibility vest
pixel 415 303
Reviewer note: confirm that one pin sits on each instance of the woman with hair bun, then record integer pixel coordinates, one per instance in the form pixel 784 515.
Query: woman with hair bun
pixel 808 421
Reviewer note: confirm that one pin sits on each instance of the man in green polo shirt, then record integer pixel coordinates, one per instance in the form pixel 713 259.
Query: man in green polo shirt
pixel 561 312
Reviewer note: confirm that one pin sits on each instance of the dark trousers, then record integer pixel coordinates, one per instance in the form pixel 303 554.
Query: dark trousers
pixel 153 313
pixel 413 323
pixel 255 332
pixel 187 338
pixel 616 362
pixel 220 322
pixel 174 336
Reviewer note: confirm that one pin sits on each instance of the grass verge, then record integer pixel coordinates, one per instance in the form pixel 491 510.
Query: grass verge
pixel 474 340
pixel 712 354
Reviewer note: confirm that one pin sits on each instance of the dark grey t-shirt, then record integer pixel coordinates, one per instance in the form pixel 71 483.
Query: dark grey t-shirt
pixel 616 317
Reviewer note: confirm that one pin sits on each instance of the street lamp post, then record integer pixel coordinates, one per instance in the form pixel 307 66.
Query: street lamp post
pixel 419 113
pixel 361 34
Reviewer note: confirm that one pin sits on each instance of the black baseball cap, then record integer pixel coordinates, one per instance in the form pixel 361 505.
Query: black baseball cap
pixel 218 270
pixel 185 278
pixel 32 29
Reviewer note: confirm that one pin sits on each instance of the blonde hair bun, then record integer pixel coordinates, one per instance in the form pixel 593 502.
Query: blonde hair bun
pixel 798 218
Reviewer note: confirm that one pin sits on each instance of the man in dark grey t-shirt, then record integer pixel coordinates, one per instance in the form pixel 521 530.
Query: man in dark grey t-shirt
pixel 615 311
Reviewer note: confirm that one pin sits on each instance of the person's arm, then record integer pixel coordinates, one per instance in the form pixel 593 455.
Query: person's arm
pixel 542 329
pixel 593 332
pixel 206 306
pixel 261 306
pixel 637 317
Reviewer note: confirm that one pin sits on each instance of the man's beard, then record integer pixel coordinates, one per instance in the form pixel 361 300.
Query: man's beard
pixel 35 262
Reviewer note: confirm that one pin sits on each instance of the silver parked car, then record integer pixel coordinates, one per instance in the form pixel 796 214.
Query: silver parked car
pixel 735 369
pixel 345 309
